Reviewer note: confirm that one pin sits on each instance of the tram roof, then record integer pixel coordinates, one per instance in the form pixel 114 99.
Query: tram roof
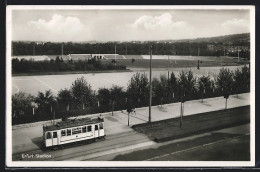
pixel 72 123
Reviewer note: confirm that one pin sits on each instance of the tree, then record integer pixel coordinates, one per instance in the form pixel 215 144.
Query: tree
pixel 238 81
pixel 46 103
pixel 138 89
pixel 187 89
pixel 103 98
pixel 22 105
pixel 160 88
pixel 246 78
pixel 187 85
pixel 204 85
pixel 81 91
pixel 156 90
pixel 225 82
pixel 117 96
pixel 172 85
pixel 57 60
pixel 65 98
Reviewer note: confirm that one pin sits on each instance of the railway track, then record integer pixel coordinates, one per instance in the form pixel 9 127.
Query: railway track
pixel 114 142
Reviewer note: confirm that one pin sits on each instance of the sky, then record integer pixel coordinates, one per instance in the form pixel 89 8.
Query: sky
pixel 126 24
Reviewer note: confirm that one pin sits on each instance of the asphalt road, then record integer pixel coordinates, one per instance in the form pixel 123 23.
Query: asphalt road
pixel 76 152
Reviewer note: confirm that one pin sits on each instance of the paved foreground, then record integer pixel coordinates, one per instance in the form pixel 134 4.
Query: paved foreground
pixel 231 144
pixel 170 129
pixel 27 138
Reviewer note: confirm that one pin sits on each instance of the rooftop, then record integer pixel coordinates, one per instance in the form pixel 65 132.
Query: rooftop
pixel 72 123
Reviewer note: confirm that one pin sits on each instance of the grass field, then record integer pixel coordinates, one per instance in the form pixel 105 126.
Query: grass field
pixel 185 61
pixel 33 84
pixel 61 80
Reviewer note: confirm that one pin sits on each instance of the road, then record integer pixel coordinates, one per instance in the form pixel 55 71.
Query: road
pixel 120 137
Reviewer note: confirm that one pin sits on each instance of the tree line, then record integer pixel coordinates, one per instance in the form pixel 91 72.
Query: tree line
pixel 80 99
pixel 123 48
pixel 58 65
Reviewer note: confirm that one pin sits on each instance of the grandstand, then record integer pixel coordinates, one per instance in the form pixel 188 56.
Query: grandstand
pixel 133 57
pixel 113 56
pixel 79 56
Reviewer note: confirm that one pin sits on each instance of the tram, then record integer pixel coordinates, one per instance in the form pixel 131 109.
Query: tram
pixel 71 131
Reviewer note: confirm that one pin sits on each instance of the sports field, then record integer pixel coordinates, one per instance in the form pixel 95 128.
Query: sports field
pixel 33 84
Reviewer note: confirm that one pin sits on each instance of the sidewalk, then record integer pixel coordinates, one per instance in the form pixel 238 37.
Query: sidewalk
pixel 27 137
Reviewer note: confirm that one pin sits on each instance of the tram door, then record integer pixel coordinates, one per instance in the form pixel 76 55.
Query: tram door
pixel 54 138
pixel 96 130
pixel 48 139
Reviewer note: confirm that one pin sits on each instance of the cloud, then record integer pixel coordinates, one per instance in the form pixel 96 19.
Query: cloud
pixel 241 23
pixel 58 24
pixel 235 26
pixel 162 22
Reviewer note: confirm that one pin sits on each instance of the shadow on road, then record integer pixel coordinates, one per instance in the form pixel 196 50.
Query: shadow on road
pixel 38 141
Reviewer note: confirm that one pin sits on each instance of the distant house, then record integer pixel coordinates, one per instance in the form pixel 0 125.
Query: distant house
pixel 34 58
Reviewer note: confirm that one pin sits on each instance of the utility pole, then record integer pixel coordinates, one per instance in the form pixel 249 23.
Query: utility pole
pixel 126 49
pixel 128 119
pixel 238 55
pixel 34 49
pixel 168 69
pixel 113 104
pixel 115 54
pixel 12 52
pixel 150 85
pixel 181 112
pixel 62 51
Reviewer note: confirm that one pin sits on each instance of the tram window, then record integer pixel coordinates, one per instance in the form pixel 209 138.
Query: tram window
pixel 96 127
pixel 76 130
pixel 101 126
pixel 48 135
pixel 54 134
pixel 84 129
pixel 89 128
pixel 68 132
pixel 63 133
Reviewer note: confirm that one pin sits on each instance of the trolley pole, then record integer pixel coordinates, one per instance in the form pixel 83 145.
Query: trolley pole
pixel 150 85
